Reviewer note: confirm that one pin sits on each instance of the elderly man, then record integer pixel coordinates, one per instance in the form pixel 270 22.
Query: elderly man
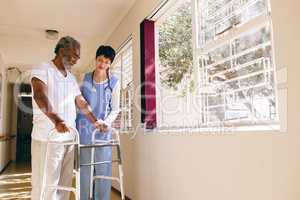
pixel 55 97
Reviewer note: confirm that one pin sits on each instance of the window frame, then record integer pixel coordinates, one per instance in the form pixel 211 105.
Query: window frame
pixel 159 18
pixel 233 33
pixel 124 47
pixel 254 23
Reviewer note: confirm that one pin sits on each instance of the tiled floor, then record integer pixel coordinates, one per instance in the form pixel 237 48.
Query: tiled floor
pixel 15 183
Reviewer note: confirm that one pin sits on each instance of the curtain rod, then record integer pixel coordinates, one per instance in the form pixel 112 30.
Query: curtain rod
pixel 157 9
pixel 124 43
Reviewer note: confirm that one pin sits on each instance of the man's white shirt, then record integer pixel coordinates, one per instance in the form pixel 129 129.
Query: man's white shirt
pixel 61 93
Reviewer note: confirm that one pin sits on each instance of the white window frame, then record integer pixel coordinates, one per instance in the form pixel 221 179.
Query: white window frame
pixel 254 23
pixel 126 45
pixel 233 33
pixel 169 6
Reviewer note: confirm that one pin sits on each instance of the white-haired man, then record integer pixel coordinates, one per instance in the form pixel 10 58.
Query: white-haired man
pixel 55 97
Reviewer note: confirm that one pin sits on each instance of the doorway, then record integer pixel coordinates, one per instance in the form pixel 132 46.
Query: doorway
pixel 24 124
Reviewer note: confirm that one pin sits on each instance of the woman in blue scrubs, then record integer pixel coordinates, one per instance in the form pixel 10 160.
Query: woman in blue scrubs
pixel 101 89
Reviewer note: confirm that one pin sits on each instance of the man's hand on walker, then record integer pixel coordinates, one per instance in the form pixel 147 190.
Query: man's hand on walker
pixel 101 126
pixel 61 127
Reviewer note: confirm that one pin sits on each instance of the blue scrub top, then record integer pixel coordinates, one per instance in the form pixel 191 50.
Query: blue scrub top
pixel 99 97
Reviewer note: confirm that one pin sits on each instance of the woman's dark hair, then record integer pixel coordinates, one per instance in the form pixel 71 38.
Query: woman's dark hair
pixel 110 88
pixel 107 52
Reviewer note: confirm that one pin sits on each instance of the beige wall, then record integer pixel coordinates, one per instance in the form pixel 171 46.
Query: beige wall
pixel 4 154
pixel 243 166
pixel 9 120
pixel 1 104
pixel 4 142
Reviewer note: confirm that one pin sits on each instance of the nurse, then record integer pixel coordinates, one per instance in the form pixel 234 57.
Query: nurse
pixel 101 89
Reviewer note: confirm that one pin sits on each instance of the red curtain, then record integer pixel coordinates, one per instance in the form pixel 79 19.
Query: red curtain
pixel 148 101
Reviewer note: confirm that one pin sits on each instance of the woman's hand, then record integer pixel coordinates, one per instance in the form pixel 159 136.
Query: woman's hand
pixel 101 126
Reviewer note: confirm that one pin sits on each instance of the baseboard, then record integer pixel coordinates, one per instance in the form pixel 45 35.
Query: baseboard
pixel 119 193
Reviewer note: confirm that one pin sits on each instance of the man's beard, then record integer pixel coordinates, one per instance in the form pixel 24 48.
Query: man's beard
pixel 67 64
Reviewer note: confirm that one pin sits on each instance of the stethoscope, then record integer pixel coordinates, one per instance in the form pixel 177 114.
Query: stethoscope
pixel 93 84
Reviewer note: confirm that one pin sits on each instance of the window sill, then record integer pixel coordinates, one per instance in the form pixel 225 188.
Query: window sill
pixel 270 128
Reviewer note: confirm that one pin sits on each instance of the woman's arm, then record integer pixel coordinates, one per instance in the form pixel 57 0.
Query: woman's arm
pixel 85 108
pixel 115 105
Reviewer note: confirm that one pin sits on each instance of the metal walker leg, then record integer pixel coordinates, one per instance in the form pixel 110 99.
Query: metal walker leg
pixel 76 190
pixel 76 172
pixel 100 144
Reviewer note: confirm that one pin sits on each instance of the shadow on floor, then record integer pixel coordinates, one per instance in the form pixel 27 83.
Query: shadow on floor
pixel 15 182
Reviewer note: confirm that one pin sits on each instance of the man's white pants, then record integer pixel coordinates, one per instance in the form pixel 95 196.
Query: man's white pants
pixel 58 170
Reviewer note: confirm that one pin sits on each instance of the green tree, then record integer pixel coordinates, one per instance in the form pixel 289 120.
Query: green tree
pixel 175 47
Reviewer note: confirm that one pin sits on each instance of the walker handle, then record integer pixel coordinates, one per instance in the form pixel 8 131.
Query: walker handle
pixel 72 130
pixel 114 131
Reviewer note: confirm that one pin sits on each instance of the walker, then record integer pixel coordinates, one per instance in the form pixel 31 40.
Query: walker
pixel 115 142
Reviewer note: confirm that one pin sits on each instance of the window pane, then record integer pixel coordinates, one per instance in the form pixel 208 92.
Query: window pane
pixel 122 67
pixel 241 80
pixel 218 54
pixel 175 56
pixel 251 39
pixel 216 17
pixel 127 67
pixel 175 47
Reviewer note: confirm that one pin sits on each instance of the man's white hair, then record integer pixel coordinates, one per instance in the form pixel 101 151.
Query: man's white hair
pixel 66 42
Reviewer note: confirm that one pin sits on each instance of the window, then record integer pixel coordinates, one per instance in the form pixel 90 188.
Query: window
pixel 122 66
pixel 237 78
pixel 174 66
pixel 216 65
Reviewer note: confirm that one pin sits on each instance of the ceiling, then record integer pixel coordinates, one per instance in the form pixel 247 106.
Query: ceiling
pixel 22 27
